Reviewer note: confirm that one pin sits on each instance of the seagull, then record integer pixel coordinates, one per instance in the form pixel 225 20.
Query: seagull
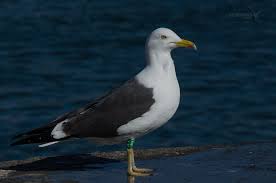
pixel 139 106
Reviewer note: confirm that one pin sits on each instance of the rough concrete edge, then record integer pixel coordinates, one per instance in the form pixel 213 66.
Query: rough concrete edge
pixel 141 154
pixel 144 154
pixel 7 175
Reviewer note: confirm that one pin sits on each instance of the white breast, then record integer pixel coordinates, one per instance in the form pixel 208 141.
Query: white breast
pixel 166 93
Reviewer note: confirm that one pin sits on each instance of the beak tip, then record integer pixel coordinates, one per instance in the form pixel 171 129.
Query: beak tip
pixel 186 43
pixel 195 48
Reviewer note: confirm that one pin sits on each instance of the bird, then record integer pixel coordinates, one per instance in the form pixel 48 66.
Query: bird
pixel 140 105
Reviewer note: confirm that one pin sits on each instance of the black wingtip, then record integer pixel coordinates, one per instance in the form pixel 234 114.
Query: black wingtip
pixel 13 144
pixel 17 136
pixel 18 141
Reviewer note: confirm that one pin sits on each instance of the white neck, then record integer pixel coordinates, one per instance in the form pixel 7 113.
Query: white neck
pixel 160 66
pixel 159 58
pixel 160 61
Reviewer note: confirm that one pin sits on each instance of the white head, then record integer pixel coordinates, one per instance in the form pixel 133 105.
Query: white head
pixel 160 43
pixel 163 39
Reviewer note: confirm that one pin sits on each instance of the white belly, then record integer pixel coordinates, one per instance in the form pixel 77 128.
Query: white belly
pixel 166 93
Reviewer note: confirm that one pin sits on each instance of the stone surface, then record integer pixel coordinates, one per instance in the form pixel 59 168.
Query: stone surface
pixel 244 163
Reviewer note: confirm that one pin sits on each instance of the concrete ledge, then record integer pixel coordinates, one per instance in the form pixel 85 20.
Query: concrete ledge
pixel 228 163
pixel 61 162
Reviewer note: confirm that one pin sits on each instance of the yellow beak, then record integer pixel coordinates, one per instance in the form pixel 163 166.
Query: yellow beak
pixel 186 44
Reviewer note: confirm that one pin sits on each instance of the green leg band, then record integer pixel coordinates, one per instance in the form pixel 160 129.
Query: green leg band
pixel 130 143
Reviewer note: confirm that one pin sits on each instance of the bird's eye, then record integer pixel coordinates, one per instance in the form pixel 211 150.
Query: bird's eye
pixel 163 37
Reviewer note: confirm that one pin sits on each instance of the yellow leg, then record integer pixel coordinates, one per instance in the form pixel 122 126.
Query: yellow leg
pixel 132 169
pixel 131 179
pixel 135 169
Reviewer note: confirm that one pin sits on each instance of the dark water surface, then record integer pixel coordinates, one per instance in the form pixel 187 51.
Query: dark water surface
pixel 56 56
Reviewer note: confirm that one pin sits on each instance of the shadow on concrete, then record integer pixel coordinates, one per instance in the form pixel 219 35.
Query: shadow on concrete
pixel 69 162
pixel 96 160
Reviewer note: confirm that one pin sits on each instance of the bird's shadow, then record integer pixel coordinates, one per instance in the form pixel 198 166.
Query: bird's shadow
pixel 63 163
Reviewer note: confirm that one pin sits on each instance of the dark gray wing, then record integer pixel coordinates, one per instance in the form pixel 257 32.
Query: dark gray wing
pixel 103 117
pixel 100 118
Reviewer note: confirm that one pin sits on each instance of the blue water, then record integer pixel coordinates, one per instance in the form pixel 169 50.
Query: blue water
pixel 55 56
